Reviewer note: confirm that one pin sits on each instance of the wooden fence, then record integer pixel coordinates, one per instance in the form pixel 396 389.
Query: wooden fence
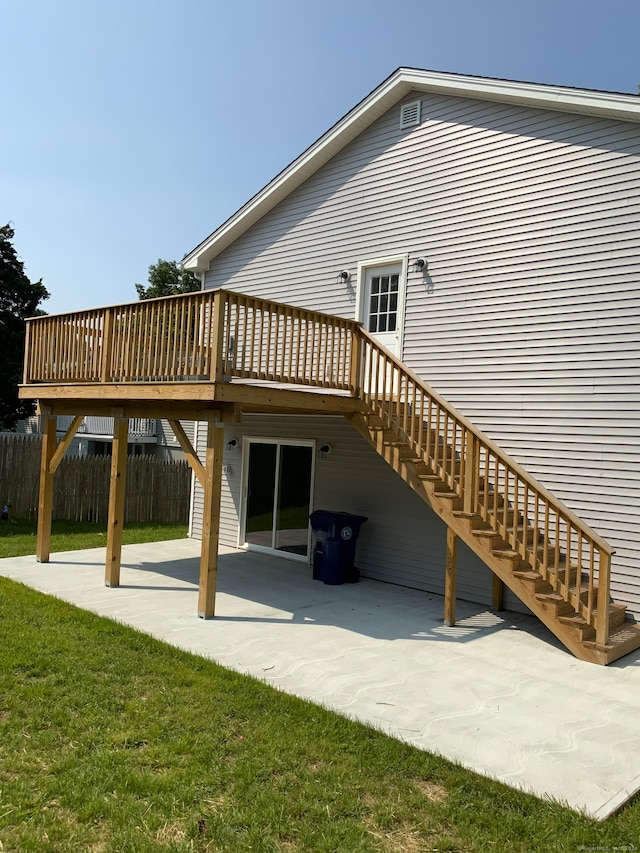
pixel 156 490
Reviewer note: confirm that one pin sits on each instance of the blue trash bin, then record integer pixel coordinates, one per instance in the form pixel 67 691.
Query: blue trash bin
pixel 335 535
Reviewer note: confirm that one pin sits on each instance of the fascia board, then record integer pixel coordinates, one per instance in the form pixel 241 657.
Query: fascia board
pixel 400 83
pixel 617 105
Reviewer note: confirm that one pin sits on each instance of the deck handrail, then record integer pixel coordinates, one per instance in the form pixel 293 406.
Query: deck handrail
pixel 218 335
pixel 545 533
pixel 205 335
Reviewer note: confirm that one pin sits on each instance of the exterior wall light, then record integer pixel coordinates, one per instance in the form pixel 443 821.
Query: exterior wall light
pixel 344 276
pixel 419 265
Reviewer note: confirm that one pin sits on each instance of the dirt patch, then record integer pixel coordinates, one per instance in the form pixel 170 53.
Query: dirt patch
pixel 432 791
pixel 403 839
pixel 171 833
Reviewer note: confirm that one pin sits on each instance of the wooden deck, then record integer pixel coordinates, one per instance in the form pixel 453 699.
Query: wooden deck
pixel 212 355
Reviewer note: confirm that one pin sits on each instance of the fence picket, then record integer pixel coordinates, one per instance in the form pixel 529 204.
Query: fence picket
pixel 157 490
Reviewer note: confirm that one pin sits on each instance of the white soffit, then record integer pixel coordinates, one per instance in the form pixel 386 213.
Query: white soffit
pixel 612 105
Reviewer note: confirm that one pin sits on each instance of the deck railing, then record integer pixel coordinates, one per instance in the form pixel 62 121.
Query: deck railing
pixel 220 335
pixel 154 340
pixel 208 335
pixel 273 342
pixel 99 426
pixel 93 425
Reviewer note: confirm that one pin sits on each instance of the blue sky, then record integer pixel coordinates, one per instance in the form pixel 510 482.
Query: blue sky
pixel 132 128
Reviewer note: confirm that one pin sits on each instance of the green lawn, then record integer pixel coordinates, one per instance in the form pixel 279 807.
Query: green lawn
pixel 113 742
pixel 18 538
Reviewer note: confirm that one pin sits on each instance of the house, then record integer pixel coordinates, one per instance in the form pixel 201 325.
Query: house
pixel 485 234
pixel 94 436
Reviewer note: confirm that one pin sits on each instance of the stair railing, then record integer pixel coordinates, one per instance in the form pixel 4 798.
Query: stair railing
pixel 540 529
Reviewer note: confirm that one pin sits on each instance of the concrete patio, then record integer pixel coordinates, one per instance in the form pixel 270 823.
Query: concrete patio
pixel 495 693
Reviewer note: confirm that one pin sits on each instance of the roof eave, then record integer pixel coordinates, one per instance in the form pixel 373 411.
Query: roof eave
pixel 400 83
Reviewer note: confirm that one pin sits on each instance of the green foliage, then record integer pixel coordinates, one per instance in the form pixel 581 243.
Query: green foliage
pixel 166 278
pixel 19 299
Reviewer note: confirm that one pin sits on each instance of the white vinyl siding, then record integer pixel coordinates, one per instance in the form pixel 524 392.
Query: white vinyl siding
pixel 528 315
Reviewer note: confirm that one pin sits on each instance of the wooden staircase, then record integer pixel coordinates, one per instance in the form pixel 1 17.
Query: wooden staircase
pixel 534 545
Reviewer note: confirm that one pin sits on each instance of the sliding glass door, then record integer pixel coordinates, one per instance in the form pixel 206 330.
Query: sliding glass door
pixel 277 490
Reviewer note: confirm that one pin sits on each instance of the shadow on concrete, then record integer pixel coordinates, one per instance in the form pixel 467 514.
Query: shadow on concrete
pixel 273 590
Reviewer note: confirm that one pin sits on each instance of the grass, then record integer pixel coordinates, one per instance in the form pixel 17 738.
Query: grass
pixel 18 538
pixel 113 741
pixel 289 518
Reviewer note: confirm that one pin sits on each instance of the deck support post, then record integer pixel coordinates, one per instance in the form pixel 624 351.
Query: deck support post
pixel 211 521
pixel 45 495
pixel 450 579
pixel 117 488
pixel 497 593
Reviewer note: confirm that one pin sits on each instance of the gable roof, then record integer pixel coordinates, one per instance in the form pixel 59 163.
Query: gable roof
pixel 613 105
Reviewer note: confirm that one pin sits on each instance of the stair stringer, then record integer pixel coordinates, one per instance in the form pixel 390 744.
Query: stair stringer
pixel 493 551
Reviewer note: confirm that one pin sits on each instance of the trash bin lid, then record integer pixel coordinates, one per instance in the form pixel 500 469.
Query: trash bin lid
pixel 323 519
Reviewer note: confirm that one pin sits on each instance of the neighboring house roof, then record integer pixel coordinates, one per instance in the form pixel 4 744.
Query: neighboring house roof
pixel 614 105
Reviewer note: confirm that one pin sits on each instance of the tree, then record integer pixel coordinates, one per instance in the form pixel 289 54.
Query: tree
pixel 166 278
pixel 19 298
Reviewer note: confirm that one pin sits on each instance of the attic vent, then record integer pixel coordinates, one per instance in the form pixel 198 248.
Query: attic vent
pixel 410 114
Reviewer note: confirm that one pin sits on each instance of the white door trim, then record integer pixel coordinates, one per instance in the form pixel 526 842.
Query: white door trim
pixel 390 260
pixel 247 441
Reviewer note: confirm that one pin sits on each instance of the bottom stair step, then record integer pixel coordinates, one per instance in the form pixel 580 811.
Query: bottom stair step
pixel 622 641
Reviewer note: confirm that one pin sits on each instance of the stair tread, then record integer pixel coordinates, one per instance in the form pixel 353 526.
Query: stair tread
pixel 573 591
pixel 580 621
pixel 626 634
pixel 485 533
pixel 576 620
pixel 549 596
